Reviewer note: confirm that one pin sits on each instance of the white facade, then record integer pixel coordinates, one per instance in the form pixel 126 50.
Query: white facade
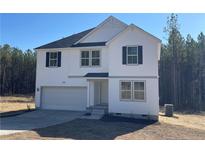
pixel 71 73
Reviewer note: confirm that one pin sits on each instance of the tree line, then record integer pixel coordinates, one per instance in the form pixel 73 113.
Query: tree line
pixel 17 71
pixel 181 69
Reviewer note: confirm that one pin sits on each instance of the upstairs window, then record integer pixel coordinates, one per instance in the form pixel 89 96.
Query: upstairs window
pixel 95 58
pixel 53 59
pixel 90 58
pixel 85 58
pixel 132 55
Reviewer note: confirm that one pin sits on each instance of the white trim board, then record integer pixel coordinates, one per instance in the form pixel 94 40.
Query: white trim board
pixel 79 76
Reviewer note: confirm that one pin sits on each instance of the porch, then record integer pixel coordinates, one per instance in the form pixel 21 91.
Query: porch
pixel 97 102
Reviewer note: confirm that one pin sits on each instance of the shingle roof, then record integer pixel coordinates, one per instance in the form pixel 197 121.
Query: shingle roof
pixel 66 42
pixel 105 74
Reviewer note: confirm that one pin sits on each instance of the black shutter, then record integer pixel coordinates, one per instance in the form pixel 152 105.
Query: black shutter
pixel 59 59
pixel 140 55
pixel 124 55
pixel 47 59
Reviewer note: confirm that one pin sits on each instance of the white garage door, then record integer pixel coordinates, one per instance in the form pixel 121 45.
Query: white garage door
pixel 64 98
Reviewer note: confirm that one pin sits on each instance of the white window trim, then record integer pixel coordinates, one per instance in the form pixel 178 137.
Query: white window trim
pixel 49 59
pixel 132 91
pixel 90 58
pixel 131 55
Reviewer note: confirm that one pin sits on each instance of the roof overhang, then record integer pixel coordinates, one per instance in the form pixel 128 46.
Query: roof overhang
pixel 97 75
pixel 89 44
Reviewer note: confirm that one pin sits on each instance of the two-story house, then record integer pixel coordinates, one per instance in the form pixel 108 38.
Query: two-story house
pixel 113 65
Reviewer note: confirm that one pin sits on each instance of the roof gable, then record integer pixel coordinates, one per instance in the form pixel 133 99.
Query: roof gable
pixel 133 26
pixel 104 31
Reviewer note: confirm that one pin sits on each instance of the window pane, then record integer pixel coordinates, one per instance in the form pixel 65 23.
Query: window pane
pixel 53 55
pixel 96 62
pixel 132 59
pixel 138 85
pixel 129 59
pixel 126 85
pixel 85 54
pixel 53 62
pixel 95 54
pixel 84 62
pixel 125 94
pixel 139 95
pixel 132 50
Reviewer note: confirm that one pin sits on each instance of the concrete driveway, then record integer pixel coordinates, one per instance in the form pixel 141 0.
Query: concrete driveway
pixel 36 119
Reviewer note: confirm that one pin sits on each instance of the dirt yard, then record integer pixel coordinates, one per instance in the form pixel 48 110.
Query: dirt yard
pixel 105 129
pixel 16 103
pixel 181 126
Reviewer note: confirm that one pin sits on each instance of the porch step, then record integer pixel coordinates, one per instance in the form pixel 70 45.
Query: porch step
pixel 98 111
pixel 100 107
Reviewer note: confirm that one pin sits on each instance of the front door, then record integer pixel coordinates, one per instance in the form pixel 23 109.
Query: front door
pixel 97 93
pixel 101 93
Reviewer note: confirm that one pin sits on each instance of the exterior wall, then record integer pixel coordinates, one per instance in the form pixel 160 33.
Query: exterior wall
pixel 133 36
pixel 70 73
pixel 147 72
pixel 149 107
pixel 106 31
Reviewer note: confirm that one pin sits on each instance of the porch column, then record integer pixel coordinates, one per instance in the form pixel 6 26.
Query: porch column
pixel 90 93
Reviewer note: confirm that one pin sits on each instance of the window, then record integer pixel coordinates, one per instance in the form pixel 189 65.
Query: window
pixel 53 59
pixel 132 55
pixel 132 90
pixel 95 58
pixel 90 58
pixel 85 58
pixel 126 90
pixel 139 91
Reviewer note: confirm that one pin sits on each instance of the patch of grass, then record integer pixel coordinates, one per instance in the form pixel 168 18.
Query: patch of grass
pixel 16 98
pixel 16 103
pixel 195 121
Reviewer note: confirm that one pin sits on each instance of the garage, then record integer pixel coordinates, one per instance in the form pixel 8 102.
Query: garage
pixel 64 98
